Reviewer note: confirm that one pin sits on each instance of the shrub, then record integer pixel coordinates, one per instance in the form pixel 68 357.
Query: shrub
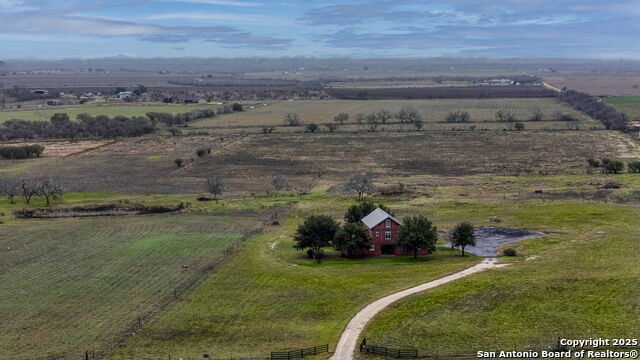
pixel 611 185
pixel 593 162
pixel 237 107
pixel 634 166
pixel 509 252
pixel 179 162
pixel 292 119
pixel 202 152
pixel 519 126
pixel 312 127
pixel 610 166
pixel 21 152
pixel 457 117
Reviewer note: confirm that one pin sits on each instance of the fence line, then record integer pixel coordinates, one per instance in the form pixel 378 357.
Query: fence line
pixel 299 353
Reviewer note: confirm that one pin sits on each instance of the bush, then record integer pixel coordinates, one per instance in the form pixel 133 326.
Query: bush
pixel 509 252
pixel 312 127
pixel 611 185
pixel 593 162
pixel 519 126
pixel 179 162
pixel 610 166
pixel 203 152
pixel 237 107
pixel 457 117
pixel 634 166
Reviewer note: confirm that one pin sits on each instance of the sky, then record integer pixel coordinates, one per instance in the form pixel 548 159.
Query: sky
pixel 55 29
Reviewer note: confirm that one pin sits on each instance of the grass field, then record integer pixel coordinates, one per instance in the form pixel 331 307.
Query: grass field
pixel 580 281
pixel 629 105
pixel 482 112
pixel 109 110
pixel 270 297
pixel 70 285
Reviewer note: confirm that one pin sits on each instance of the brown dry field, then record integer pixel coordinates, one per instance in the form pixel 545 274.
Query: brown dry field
pixel 146 165
pixel 598 84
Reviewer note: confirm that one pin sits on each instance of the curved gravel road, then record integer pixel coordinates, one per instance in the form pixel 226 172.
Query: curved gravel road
pixel 351 334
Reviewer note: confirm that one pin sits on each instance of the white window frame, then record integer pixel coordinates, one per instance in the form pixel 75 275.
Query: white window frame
pixel 387 237
pixel 372 247
pixel 387 223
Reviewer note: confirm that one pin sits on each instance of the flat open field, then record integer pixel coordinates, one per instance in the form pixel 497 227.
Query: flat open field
pixel 482 112
pixel 606 84
pixel 146 165
pixel 70 285
pixel 129 110
pixel 629 105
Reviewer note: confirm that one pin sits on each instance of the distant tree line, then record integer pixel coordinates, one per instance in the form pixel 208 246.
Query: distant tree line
pixel 21 152
pixel 595 108
pixel 61 127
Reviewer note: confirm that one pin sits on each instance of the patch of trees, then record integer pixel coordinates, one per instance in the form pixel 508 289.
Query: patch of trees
pixel 595 108
pixel 613 166
pixel 463 235
pixel 21 152
pixel 61 127
pixel 171 120
pixel 44 187
pixel 416 233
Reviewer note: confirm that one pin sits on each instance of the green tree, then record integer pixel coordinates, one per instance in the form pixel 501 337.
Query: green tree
pixel 351 237
pixel 463 236
pixel 417 232
pixel 364 207
pixel 519 126
pixel 316 232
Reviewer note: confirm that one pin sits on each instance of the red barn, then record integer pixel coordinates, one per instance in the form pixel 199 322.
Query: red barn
pixel 384 230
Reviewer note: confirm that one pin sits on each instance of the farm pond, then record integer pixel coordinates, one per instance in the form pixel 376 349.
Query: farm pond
pixel 490 238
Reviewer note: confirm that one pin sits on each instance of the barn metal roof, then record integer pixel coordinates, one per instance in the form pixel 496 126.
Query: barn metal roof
pixel 376 217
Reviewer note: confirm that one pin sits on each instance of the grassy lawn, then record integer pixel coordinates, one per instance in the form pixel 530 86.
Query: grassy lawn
pixel 109 110
pixel 69 285
pixel 269 297
pixel 579 281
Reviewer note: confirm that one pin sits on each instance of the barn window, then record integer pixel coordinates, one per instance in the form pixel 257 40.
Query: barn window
pixel 377 233
pixel 387 235
pixel 372 247
pixel 388 223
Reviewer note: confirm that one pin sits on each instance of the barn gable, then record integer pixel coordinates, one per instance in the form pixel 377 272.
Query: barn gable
pixel 376 217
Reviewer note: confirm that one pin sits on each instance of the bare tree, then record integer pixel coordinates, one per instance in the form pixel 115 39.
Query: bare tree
pixel 10 188
pixel 28 188
pixel 341 118
pixel 360 118
pixel 384 116
pixel 215 185
pixel 408 115
pixel 372 122
pixel 360 184
pixel 292 119
pixel 48 188
pixel 278 183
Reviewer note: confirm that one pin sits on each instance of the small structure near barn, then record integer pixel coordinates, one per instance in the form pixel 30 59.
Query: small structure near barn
pixel 125 94
pixel 633 128
pixel 384 230
pixel 54 102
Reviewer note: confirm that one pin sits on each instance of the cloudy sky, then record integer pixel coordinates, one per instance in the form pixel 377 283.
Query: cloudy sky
pixel 52 29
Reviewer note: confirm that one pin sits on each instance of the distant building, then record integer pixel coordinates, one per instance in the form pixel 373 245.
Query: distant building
pixel 633 128
pixel 125 94
pixel 40 92
pixel 54 102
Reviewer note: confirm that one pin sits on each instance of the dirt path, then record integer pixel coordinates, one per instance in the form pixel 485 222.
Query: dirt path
pixel 351 334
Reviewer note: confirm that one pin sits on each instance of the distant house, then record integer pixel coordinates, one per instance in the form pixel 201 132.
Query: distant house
pixel 54 102
pixel 384 229
pixel 125 94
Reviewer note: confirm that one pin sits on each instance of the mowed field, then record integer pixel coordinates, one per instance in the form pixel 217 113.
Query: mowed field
pixel 146 165
pixel 482 112
pixel 580 281
pixel 70 285
pixel 629 105
pixel 129 110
